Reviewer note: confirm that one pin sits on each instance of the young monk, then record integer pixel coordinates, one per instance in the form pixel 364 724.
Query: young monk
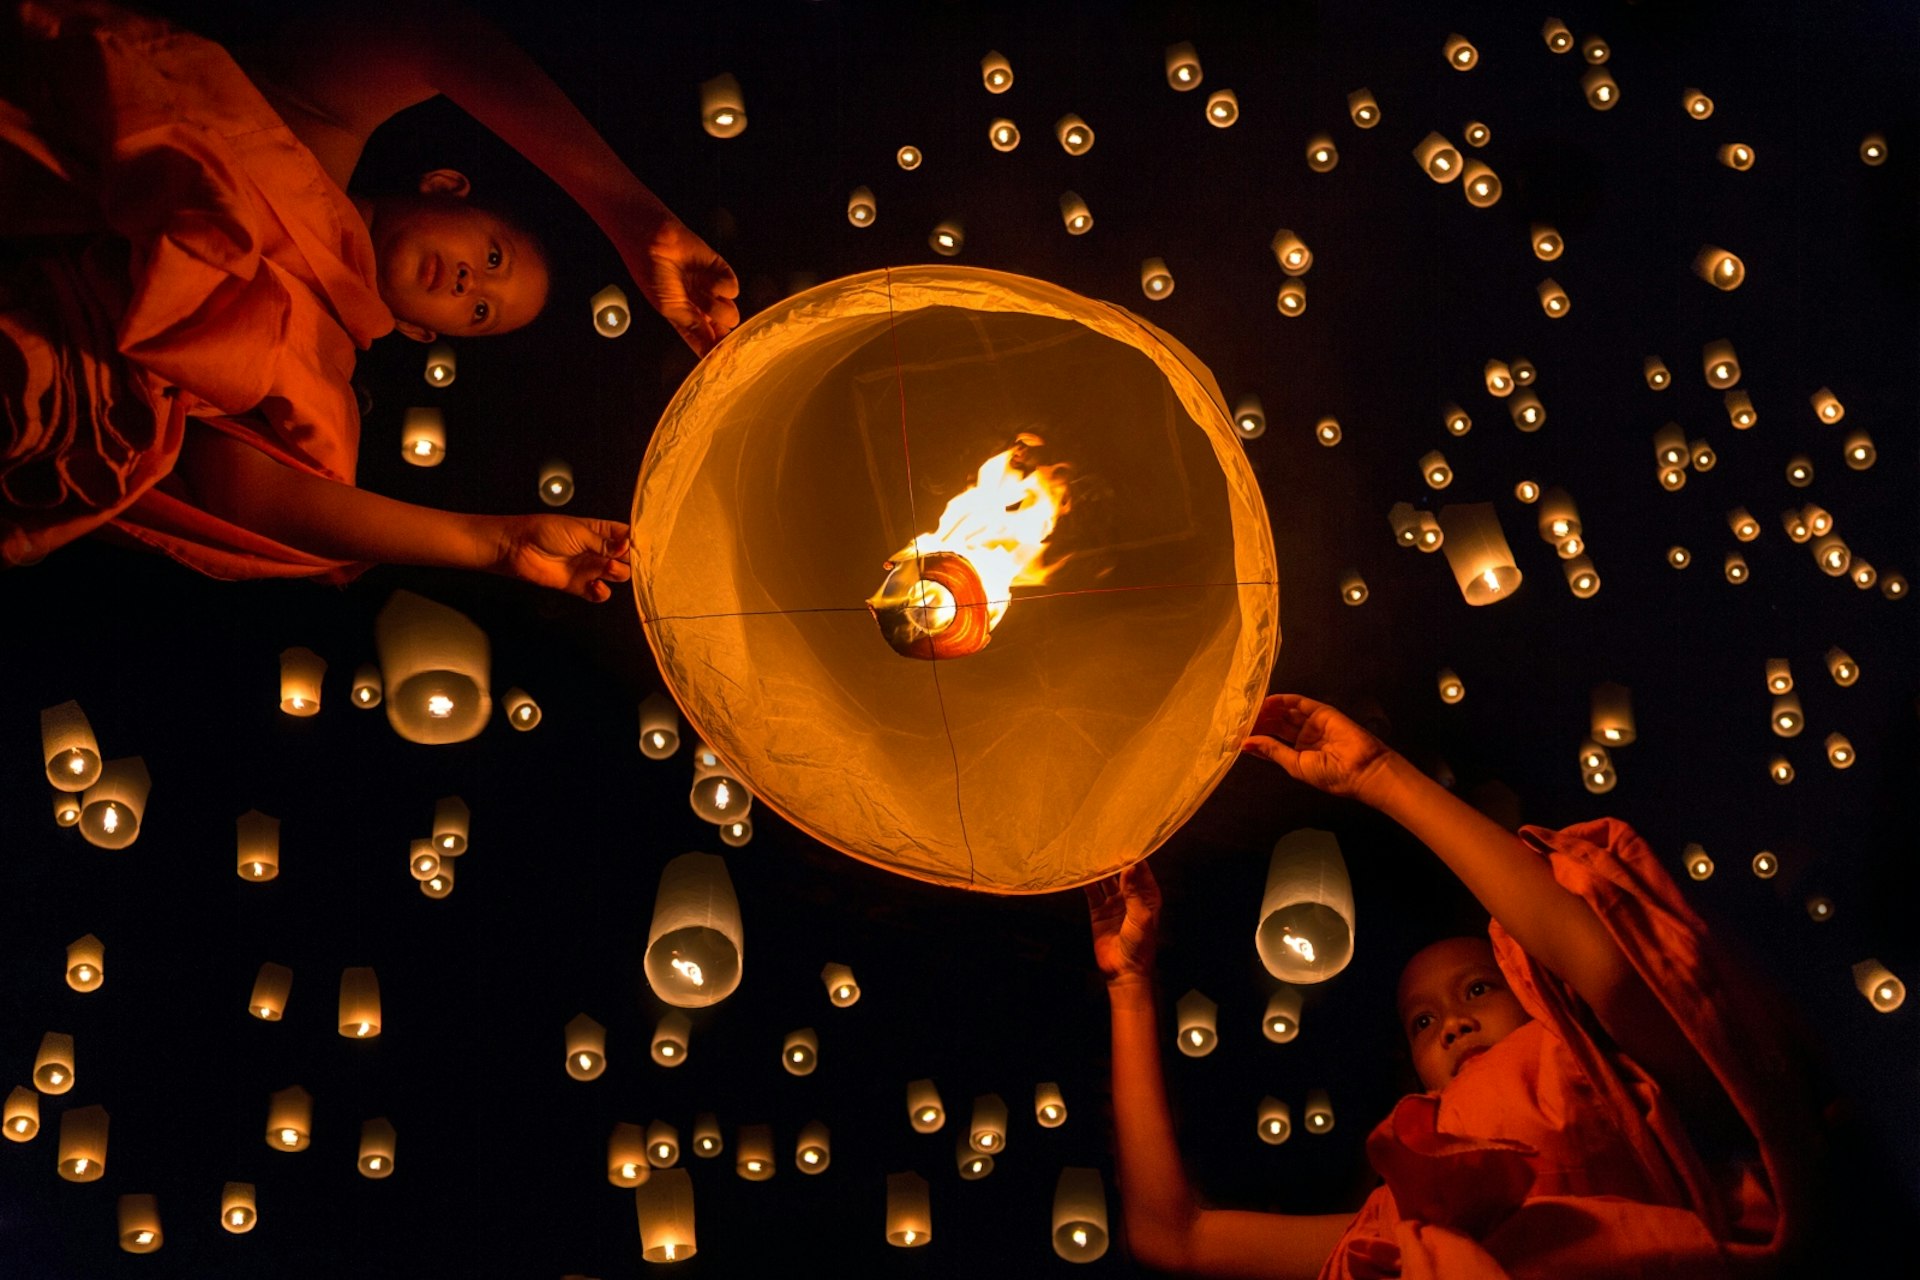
pixel 185 277
pixel 1591 1072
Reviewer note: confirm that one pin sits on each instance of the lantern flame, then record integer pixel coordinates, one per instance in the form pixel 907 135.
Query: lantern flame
pixel 689 970
pixel 1303 947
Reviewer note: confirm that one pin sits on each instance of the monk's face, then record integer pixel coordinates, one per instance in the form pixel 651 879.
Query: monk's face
pixel 1454 1005
pixel 446 268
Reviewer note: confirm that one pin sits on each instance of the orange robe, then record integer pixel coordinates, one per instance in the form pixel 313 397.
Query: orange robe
pixel 168 250
pixel 1552 1155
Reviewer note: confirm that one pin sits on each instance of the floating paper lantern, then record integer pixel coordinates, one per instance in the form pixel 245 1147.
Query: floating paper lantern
pixel 368 689
pixel 1593 755
pixel 800 1052
pixel 1427 534
pixel 1076 138
pixel 1832 555
pixel 1527 412
pixel 1476 134
pixel 21 1119
pixel 1670 445
pixel 1698 105
pixel 86 963
pixel 1322 155
pixel 139 1217
pixel 1882 990
pixel 627 1163
pixel 1480 184
pixel 1654 369
pixel 83 1144
pixel 1820 909
pixel 925 1112
pixel 1582 578
pixel 112 807
pixel 423 860
pixel 53 1064
pixel 1523 372
pixel 1780 769
pixel 452 822
pixel 377 1141
pixel 665 1208
pixel 1737 156
pixel 586 1048
pixel 359 1003
pixel 1794 521
pixel 972 1164
pixel 1003 134
pixel 556 483
pixel 1701 454
pixel 1720 268
pixel 1438 158
pixel 239 1209
pixel 1873 150
pixel 1281 1022
pixel 842 990
pixel 1451 688
pixel 1679 557
pixel 1498 376
pixel 1819 522
pixel 423 437
pixel 289 1119
pixel 717 795
pixel 1720 364
pixel 301 671
pixel 1434 470
pixel 1405 522
pixel 1292 300
pixel 1744 526
pixel 1074 212
pixel 1859 451
pixel 1597 773
pixel 1275 1121
pixel 1183 67
pixel 1736 567
pixel 1840 752
pixel 1460 53
pixel 813 1149
pixel 694 941
pixel 440 883
pixel 1841 667
pixel 1894 586
pixel 947 239
pixel 1765 865
pixel 1457 421
pixel 610 311
pixel 1555 33
pixel 663 1145
pixel 659 727
pixel 1249 417
pixel 1080 1215
pixel 908 158
pixel 1305 933
pixel 987 1130
pixel 1673 479
pixel 1291 252
pixel 1049 1106
pixel 1546 241
pixel 1553 299
pixel 1319 1112
pixel 1363 109
pixel 1353 588
pixel 66 809
pixel 523 712
pixel 1601 91
pixel 707 1142
pixel 736 834
pixel 1610 714
pixel 441 365
pixel 1196 1024
pixel 1559 518
pixel 271 986
pixel 909 1211
pixel 1779 676
pixel 1698 864
pixel 1223 108
pixel 753 1154
pixel 861 209
pixel 435 662
pixel 670 1034
pixel 256 846
pixel 1788 718
pixel 996 73
pixel 1155 280
pixel 723 108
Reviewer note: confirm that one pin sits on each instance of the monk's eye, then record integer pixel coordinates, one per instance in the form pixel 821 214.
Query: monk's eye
pixel 1478 987
pixel 479 312
pixel 1421 1022
pixel 493 256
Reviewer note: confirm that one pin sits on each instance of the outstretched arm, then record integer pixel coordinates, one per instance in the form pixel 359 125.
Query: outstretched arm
pixel 1166 1227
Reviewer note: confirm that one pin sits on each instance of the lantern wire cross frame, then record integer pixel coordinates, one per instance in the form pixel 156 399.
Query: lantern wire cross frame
pixel 1046 684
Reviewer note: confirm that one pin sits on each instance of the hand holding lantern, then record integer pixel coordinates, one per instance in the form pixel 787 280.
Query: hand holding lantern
pixel 690 285
pixel 1126 923
pixel 1317 745
pixel 580 557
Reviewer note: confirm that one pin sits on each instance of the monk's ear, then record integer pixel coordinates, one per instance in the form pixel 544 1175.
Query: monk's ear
pixel 417 332
pixel 445 182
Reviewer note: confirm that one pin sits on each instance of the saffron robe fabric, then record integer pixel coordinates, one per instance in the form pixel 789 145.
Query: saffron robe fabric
pixel 168 250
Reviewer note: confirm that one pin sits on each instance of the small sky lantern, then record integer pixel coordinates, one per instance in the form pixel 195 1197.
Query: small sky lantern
pixel 1223 108
pixel 87 962
pixel 368 690
pixel 1353 588
pixel 434 661
pixel 1476 133
pixel 1780 769
pixel 1049 1106
pixel 1553 299
pixel 1596 768
pixel 1678 556
pixel 556 483
pixel 111 809
pixel 736 834
pixel 717 796
pixel 359 1003
pixel 1672 479
pixel 1003 134
pixel 441 365
pixel 973 1165
pixel 1701 454
pixel 377 1141
pixel 1075 135
pixel 1858 450
pixel 925 1112
pixel 1250 417
pixel 68 747
pixel 610 311
pixel 1832 555
pixel 665 1209
pixel 1291 252
pixel 1197 1024
pixel 1720 268
pixel 1779 676
pixel 947 238
pixel 1305 932
pixel 1840 752
pixel 139 1218
pixel 1610 714
pixel 861 209
pixel 1698 864
pixel 1546 241
pixel 1882 990
pixel 996 73
pixel 1736 567
pixel 663 1145
pixel 1819 523
pixel 1740 410
pixel 452 822
pixel 1698 105
pixel 1292 301
pixel 842 990
pixel 1183 67
pixel 1427 534
pixel 1319 1114
pixel 723 108
pixel 1841 667
pixel 1461 55
pixel 1155 280
pixel 1873 150
pixel 1322 155
pixel 627 1163
pixel 1827 406
pixel 1787 717
pixel 707 1142
pixel 1602 93
pixel 586 1048
pixel 909 1211
pixel 1452 690
pixel 1765 865
pixel 813 1149
pixel 301 670
pixel 83 1143
pixel 1527 491
pixel 1405 522
pixel 1737 156
pixel 1656 373
pixel 1559 518
pixel 440 883
pixel 53 1064
pixel 1720 364
pixel 1555 33
pixel 423 860
pixel 659 727
pixel 239 1208
pixel 1799 471
pixel 1523 372
pixel 1434 469
pixel 753 1152
pixel 987 1130
pixel 1458 421
pixel 271 986
pixel 1894 586
pixel 1281 1022
pixel 1820 908
pixel 1527 412
pixel 800 1052
pixel 1438 157
pixel 1080 1215
pixel 1274 1121
pixel 1075 214
pixel 1594 50
pixel 21 1120
pixel 1582 579
pixel 289 1119
pixel 693 943
pixel 1361 107
pixel 1670 445
pixel 523 712
pixel 1478 553
pixel 1570 546
pixel 1499 378
pixel 1744 526
pixel 1480 184
pixel 423 437
pixel 908 158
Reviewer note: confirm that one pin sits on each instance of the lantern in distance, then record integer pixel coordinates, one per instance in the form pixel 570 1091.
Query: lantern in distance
pixel 423 437
pixel 1427 534
pixel 1292 301
pixel 627 1164
pixel 83 1143
pixel 1281 1022
pixel 586 1048
pixel 1451 688
pixel 842 990
pixel 1832 555
pixel 1679 557
pixel 1250 417
pixel 1670 445
pixel 1840 752
pixel 257 846
pixel 813 1149
pixel 1744 526
pixel 996 73
pixel 1319 1111
pixel 1594 50
pixel 1291 252
pixel 659 727
pixel 665 1208
pixel 987 1130
pixel 139 1217
pixel 694 952
pixel 1720 268
pixel 1076 137
pixel 1720 364
pixel 377 1141
pixel 1353 588
pixel 663 1145
pixel 1478 553
pixel 1697 104
pixel 1074 212
pixel 1049 1106
pixel 670 1036
pixel 1527 412
pixel 1610 714
pixel 66 809
pixel 1894 586
pixel 423 861
pixel 908 158
pixel 1736 567
pixel 1873 150
pixel 861 209
pixel 1553 299
pixel 1882 990
pixel 925 1111
pixel 1362 109
pixel 271 986
pixel 1737 156
pixel 1859 450
pixel 452 822
pixel 1788 718
pixel 86 963
pixel 289 1119
pixel 53 1064
pixel 736 834
pixel 359 1003
pixel 1819 523
pixel 1673 479
pixel 1779 676
pixel 1841 667
pixel 1602 93
pixel 1327 431
pixel 1438 158
pixel 1275 1121
pixel 947 238
pixel 1546 241
pixel 367 687
pixel 440 883
pixel 111 809
pixel 556 482
pixel 1223 108
pixel 1820 908
pixel 1780 769
pixel 707 1142
pixel 1582 579
pixel 1765 865
pixel 909 1211
pixel 1499 378
pixel 301 670
pixel 1480 184
pixel 1559 519
pixel 1197 1024
pixel 1461 55
pixel 1701 454
pixel 1597 773
pixel 800 1052
pixel 1434 470
pixel 1155 280
pixel 435 663
pixel 441 365
pixel 523 712
pixel 1003 134
pixel 21 1120
pixel 1080 1215
pixel 1406 528
pixel 1827 406
pixel 1183 67
pixel 1305 932
pixel 1457 420
pixel 1795 523
pixel 723 108
pixel 611 312
pixel 972 1164
pixel 1555 33
pixel 753 1152
pixel 1322 155
pixel 239 1209
pixel 1476 134
pixel 1654 369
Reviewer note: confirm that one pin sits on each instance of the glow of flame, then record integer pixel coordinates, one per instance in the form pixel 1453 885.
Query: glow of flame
pixel 909 1237
pixel 1302 947
pixel 439 706
pixel 237 1217
pixel 585 1060
pixel 670 1243
pixel 1080 1236
pixel 143 1237
pixel 689 970
pixel 722 795
pixel 81 1165
pixel 110 822
pixel 289 1136
pixel 364 1028
pixel 76 764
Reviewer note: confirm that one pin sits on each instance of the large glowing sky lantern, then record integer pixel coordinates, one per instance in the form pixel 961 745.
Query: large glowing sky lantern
pixel 962 573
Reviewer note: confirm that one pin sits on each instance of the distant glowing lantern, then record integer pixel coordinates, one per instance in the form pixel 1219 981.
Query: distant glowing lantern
pixel 1559 518
pixel 1553 299
pixel 440 883
pixel 664 1205
pixel 1478 553
pixel 1698 105
pixel 1779 676
pixel 925 1112
pixel 1196 1024
pixel 1698 864
pixel 1858 450
pixel 1841 667
pixel 1434 470
pixel 1223 108
pixel 987 1130
pixel 1765 865
pixel 586 1042
pixel 435 662
pixel 1460 54
pixel 1873 150
pixel 1780 769
pixel 1476 134
pixel 972 1164
pixel 1406 527
pixel 239 1209
pixel 663 1145
pixel 1819 523
pixel 1894 586
pixel 1319 1113
pixel 1527 412
pixel 1597 773
pixel 707 1142
pixel 1291 252
pixel 659 727
pixel 523 712
pixel 1582 578
pixel 555 483
pixel 1820 908
pixel 694 951
pixel 627 1163
pixel 1594 50
pixel 1547 243
pixel 800 1052
pixel 1827 406
pixel 753 1152
pixel 1080 1215
pixel 1458 422
pixel 736 834
pixel 441 365
pixel 1361 107
pixel 1673 479
pixel 723 108
pixel 1840 752
pixel 1353 588
pixel 1427 534
pixel 1274 1121
pixel 377 1142
pixel 86 963
pixel 717 795
pixel 1656 373
pixel 1832 555
pixel 1523 372
pixel 1679 557
pixel 1555 33
pixel 1882 990
pixel 1322 155
pixel 1480 184
pixel 1720 268
pixel 909 1211
pixel 301 670
pixel 68 747
pixel 1499 378
pixel 271 986
pixel 1183 67
pixel 1799 471
pixel 1438 158
pixel 1292 301
pixel 861 209
pixel 1610 714
pixel 368 689
pixel 289 1119
pixel 1736 567
pixel 1787 717
pixel 1305 933
pixel 1075 135
pixel 452 824
pixel 1670 445
pixel 1744 526
pixel 610 311
pixel 111 809
pixel 83 1144
pixel 1737 156
pixel 21 1119
pixel 1452 689
pixel 1003 134
pixel 423 437
pixel 1602 93
pixel 1281 1022
pixel 842 990
pixel 1720 364
pixel 1155 280
pixel 53 1064
pixel 1249 417
pixel 947 238
pixel 1075 214
pixel 908 158
pixel 139 1219
pixel 1049 1106
pixel 996 73
pixel 813 1149
pixel 1701 454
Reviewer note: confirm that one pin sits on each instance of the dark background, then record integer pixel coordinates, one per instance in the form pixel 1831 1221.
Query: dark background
pixel 500 1156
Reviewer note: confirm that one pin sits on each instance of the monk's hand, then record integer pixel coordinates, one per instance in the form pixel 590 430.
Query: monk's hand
pixel 581 557
pixel 689 284
pixel 1319 746
pixel 1126 923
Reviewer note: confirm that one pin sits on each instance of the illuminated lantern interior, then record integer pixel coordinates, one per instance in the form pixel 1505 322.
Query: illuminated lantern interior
pixel 925 1112
pixel 377 1141
pixel 1281 1021
pixel 1080 1215
pixel 83 1143
pixel 1196 1024
pixel 423 437
pixel 111 809
pixel 239 1208
pixel 694 949
pixel 909 1211
pixel 359 1003
pixel 434 663
pixel 723 108
pixel 289 1119
pixel 664 1204
pixel 987 1130
pixel 1049 1107
pixel 670 1037
pixel 753 1152
pixel 139 1220
pixel 586 1048
pixel 1305 933
pixel 627 1164
pixel 1274 1120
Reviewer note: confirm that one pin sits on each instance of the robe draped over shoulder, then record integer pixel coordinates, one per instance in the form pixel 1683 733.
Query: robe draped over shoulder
pixel 1553 1156
pixel 170 251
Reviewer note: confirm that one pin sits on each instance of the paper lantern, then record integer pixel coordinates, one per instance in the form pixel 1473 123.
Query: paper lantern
pixel 83 1144
pixel 1003 134
pixel 423 860
pixel 239 1210
pixel 1438 158
pixel 1456 419
pixel 423 437
pixel 523 712
pixel 1819 522
pixel 1582 578
pixel 1654 369
pixel 723 108
pixel 1697 105
pixel 1720 365
pixel 1075 214
pixel 1223 108
pixel 1744 526
pixel 1361 107
pixel 1322 155
pixel 256 846
pixel 842 990
pixel 1451 688
pixel 663 1145
pixel 1319 1113
pixel 1080 1215
pixel 707 1142
pixel 1701 454
pixel 1274 1122
pixel 556 483
pixel 694 941
pixel 800 1052
pixel 440 883
pixel 1788 718
pixel 611 312
pixel 813 1149
pixel 736 834
pixel 452 823
pixel 1779 676
pixel 53 1064
pixel 1249 417
pixel 1558 517
pixel 1183 67
pixel 1679 557
pixel 996 73
pixel 1882 990
pixel 1476 134
pixel 1858 450
pixel 627 1164
pixel 1555 33
pixel 1832 555
pixel 972 1165
pixel 1820 909
pixel 368 689
pixel 1672 479
pixel 1434 469
pixel 1155 280
pixel 86 963
pixel 441 365
pixel 925 1112
pixel 1196 1020
pixel 1670 445
pixel 1737 156
pixel 1840 752
pixel 1291 252
pixel 987 1130
pixel 139 1217
pixel 1873 150
pixel 1841 667
pixel 1480 184
pixel 1460 54
pixel 665 1208
pixel 1305 933
pixel 359 1003
pixel 66 809
pixel 1478 553
pixel 586 1048
pixel 377 1141
pixel 1894 586
pixel 1353 588
pixel 1597 773
pixel 1553 299
pixel 908 158
pixel 1720 268
pixel 670 1036
pixel 1281 1022
pixel 271 986
pixel 659 727
pixel 1765 865
pixel 1736 567
pixel 435 662
pixel 1599 87
pixel 1594 50
pixel 909 1211
pixel 1049 1107
pixel 1546 241
pixel 1610 714
pixel 1795 523
pixel 1076 138
pixel 112 807
pixel 290 1119
pixel 1499 378
pixel 856 761
pixel 947 238
pixel 753 1155
pixel 1406 526
pixel 1780 769
pixel 1427 534
pixel 21 1119
pixel 861 209
pixel 1527 412
pixel 1292 301
pixel 301 671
